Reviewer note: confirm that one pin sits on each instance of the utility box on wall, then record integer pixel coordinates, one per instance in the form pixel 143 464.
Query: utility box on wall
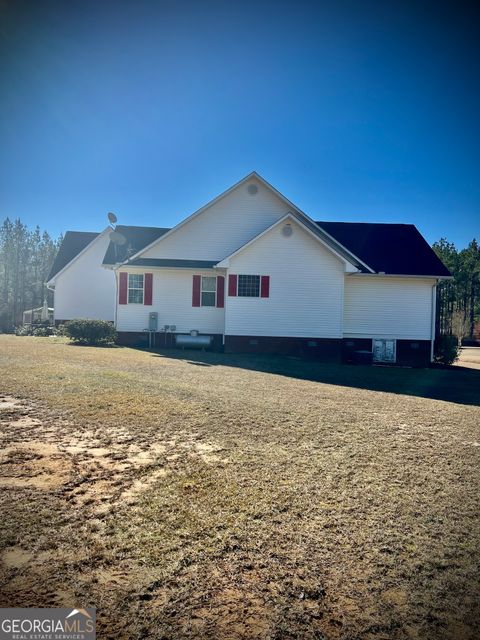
pixel 153 321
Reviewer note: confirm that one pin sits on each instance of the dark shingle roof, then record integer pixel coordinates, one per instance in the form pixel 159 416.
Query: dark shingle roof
pixel 137 238
pixel 173 262
pixel 72 244
pixel 391 248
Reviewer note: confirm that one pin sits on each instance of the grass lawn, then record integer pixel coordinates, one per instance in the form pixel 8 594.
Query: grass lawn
pixel 189 495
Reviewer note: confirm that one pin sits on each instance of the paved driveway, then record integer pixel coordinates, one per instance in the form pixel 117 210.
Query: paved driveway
pixel 470 357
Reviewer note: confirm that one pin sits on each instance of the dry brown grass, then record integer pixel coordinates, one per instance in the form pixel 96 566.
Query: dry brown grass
pixel 210 496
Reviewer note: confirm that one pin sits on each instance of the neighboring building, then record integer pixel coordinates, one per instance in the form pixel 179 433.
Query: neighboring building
pixel 258 275
pixel 38 315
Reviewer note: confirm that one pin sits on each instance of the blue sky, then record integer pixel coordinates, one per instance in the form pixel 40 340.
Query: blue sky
pixel 354 110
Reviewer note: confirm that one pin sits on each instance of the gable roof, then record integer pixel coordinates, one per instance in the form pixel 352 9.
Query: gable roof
pixel 73 243
pixel 137 238
pixel 392 249
pixel 252 174
pixel 395 249
pixel 298 213
pixel 312 229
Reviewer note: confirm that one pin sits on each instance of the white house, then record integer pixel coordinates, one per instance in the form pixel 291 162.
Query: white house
pixel 256 274
pixel 82 287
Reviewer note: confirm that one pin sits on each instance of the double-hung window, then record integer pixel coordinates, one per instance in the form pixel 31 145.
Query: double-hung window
pixel 248 286
pixel 209 291
pixel 135 288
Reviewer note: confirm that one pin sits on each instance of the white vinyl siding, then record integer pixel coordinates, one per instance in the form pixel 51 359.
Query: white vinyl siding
pixel 85 289
pixel 172 299
pixel 306 288
pixel 223 227
pixel 388 307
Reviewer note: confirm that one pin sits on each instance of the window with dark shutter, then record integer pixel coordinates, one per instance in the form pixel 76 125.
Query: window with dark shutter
pixel 248 286
pixel 135 288
pixel 196 285
pixel 123 287
pixel 232 285
pixel 147 298
pixel 209 291
pixel 220 292
pixel 265 286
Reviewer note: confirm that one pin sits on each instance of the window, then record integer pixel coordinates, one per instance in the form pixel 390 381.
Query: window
pixel 135 288
pixel 209 291
pixel 249 286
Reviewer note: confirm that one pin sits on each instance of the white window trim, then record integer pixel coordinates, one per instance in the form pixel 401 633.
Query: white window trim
pixel 256 275
pixel 142 289
pixel 202 292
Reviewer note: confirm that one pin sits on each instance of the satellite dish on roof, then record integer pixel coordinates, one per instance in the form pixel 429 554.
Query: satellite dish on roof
pixel 111 217
pixel 117 238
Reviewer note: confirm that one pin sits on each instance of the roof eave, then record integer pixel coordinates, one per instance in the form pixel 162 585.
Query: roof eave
pixel 404 275
pixel 198 212
pixel 225 262
pixel 295 209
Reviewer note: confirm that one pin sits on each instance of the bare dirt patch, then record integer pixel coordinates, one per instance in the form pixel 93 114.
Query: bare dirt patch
pixel 36 465
pixel 15 557
pixel 246 498
pixel 7 403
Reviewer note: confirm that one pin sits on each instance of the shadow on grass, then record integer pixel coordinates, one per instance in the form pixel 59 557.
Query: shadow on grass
pixel 452 384
pixel 100 345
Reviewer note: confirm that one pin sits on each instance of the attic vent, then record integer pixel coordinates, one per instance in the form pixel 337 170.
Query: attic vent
pixel 252 189
pixel 287 230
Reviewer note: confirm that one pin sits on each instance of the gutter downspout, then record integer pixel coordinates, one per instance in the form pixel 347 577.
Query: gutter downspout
pixel 50 288
pixel 115 272
pixel 224 271
pixel 434 317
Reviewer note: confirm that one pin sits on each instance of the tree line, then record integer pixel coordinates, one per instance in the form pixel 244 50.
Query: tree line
pixel 26 257
pixel 458 300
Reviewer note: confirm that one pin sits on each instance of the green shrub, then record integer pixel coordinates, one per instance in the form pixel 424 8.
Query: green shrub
pixel 61 330
pixel 40 330
pixel 23 330
pixel 43 331
pixel 90 332
pixel 446 349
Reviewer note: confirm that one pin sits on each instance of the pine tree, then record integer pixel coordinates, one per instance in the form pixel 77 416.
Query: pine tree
pixel 458 300
pixel 25 260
